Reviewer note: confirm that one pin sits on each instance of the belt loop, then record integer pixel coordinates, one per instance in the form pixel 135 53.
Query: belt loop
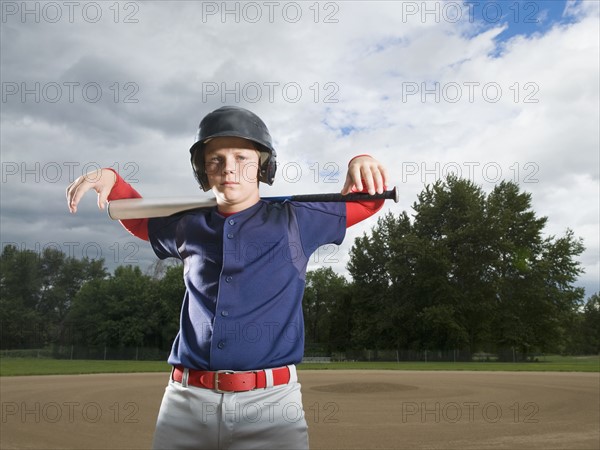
pixel 269 378
pixel 293 373
pixel 185 376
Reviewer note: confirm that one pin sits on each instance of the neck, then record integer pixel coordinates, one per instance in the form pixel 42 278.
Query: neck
pixel 227 208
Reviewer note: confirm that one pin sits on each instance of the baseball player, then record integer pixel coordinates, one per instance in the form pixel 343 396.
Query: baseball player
pixel 234 383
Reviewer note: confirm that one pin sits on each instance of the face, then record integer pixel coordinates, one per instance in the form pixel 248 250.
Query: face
pixel 232 166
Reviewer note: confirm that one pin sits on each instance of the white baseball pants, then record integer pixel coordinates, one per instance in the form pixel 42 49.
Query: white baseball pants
pixel 196 418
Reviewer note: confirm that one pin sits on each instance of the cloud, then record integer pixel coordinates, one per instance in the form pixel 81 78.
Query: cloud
pixel 425 87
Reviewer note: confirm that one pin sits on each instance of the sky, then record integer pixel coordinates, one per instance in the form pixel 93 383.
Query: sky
pixel 488 90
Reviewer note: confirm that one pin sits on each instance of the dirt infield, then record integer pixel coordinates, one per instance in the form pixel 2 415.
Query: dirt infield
pixel 344 409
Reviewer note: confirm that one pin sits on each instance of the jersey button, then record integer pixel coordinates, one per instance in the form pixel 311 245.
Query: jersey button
pixel 228 279
pixel 230 236
pixel 221 344
pixel 224 313
pixel 231 222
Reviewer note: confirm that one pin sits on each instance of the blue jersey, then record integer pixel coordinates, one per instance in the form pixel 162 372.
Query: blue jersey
pixel 244 276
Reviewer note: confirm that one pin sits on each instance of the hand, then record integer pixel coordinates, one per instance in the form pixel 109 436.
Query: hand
pixel 101 180
pixel 365 172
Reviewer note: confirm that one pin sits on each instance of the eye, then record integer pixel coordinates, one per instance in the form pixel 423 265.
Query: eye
pixel 211 165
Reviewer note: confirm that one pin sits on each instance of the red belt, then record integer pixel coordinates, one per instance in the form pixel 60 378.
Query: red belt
pixel 228 381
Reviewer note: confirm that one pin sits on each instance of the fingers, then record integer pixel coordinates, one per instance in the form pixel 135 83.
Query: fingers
pixel 380 176
pixel 353 180
pixel 366 173
pixel 101 181
pixel 76 191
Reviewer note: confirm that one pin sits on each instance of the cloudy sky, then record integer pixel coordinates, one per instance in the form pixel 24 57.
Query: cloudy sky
pixel 490 90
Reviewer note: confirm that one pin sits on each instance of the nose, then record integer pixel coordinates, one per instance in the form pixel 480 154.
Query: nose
pixel 229 164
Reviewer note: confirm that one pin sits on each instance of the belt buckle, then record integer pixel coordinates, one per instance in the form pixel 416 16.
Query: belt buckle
pixel 216 387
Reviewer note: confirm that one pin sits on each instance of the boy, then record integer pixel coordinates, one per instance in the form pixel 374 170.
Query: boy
pixel 234 382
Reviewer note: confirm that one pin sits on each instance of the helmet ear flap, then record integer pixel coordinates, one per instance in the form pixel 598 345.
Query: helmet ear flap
pixel 197 161
pixel 268 166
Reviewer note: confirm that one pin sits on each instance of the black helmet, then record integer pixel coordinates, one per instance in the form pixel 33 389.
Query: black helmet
pixel 233 121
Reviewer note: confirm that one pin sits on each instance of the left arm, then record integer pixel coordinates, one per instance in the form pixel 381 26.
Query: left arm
pixel 365 174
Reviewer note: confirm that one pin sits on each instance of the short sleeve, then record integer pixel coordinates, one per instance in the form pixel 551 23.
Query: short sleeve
pixel 320 223
pixel 163 232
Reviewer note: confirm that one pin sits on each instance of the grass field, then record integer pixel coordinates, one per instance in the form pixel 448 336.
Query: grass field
pixel 41 366
pixel 552 363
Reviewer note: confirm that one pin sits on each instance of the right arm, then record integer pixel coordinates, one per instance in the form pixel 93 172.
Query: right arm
pixel 110 186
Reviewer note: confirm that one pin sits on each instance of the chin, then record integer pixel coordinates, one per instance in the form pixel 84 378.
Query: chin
pixel 230 195
pixel 234 193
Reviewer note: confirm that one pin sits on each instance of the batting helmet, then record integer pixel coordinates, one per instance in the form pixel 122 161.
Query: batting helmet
pixel 233 121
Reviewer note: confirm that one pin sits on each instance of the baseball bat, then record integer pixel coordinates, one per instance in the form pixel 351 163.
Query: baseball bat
pixel 140 208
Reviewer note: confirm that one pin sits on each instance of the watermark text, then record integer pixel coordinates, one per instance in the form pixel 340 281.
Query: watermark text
pixel 469 91
pixel 117 252
pixel 270 12
pixel 454 412
pixel 69 12
pixel 69 92
pixel 63 172
pixel 270 91
pixel 490 171
pixel 69 412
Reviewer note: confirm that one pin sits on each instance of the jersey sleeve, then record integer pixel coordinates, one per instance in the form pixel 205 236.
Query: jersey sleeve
pixel 163 235
pixel 320 223
pixel 121 190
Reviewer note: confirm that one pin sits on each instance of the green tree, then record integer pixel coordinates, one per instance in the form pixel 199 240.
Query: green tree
pixel 166 306
pixel 62 278
pixel 590 327
pixel 36 293
pixel 129 309
pixel 323 306
pixel 20 286
pixel 382 267
pixel 582 334
pixel 516 241
pixel 470 271
pixel 557 300
pixel 114 312
pixel 454 297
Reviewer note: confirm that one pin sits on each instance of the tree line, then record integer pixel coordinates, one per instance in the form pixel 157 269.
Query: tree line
pixel 467 271
pixel 48 298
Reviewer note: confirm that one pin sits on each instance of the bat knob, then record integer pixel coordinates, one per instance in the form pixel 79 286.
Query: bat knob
pixel 395 194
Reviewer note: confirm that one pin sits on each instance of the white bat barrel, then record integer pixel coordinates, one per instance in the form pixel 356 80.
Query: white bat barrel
pixel 139 208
